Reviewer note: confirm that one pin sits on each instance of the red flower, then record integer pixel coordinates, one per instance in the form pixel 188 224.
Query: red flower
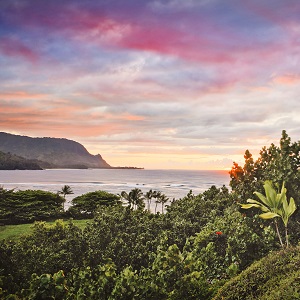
pixel 219 232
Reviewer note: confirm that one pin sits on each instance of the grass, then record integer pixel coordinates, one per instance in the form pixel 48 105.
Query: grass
pixel 14 232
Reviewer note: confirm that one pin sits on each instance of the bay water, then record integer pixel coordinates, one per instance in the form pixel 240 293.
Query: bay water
pixel 174 183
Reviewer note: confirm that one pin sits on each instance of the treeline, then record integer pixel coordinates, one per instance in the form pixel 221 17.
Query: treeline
pixel 200 243
pixel 10 161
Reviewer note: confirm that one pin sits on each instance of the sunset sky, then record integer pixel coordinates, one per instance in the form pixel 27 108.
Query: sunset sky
pixel 160 84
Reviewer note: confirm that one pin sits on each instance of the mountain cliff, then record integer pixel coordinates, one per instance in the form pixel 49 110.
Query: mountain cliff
pixel 51 152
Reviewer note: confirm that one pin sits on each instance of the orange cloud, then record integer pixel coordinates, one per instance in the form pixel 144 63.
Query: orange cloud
pixel 290 79
pixel 21 95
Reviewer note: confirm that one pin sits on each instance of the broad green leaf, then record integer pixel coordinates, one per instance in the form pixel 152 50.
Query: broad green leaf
pixel 270 193
pixel 262 198
pixel 262 207
pixel 268 215
pixel 246 206
pixel 291 207
pixel 285 204
pixel 253 201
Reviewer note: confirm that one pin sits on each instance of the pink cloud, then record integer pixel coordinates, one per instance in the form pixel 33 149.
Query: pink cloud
pixel 16 48
pixel 155 35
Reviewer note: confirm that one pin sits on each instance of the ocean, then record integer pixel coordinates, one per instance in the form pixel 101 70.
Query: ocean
pixel 174 183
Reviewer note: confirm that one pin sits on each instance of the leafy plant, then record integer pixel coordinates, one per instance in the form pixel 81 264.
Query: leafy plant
pixel 274 205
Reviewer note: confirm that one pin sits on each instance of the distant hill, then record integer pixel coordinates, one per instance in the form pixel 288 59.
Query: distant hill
pixel 51 152
pixel 10 161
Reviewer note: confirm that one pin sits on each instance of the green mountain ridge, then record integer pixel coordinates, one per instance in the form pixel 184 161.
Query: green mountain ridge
pixel 51 152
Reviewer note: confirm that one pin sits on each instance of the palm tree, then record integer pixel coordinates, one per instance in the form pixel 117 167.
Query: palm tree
pixel 137 198
pixel 65 190
pixel 157 196
pixel 274 205
pixel 149 196
pixel 163 199
pixel 125 196
pixel 134 198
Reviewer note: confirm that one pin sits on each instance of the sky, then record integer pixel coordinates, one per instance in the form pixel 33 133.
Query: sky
pixel 160 84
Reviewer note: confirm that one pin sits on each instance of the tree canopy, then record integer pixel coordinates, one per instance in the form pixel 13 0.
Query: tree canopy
pixel 87 204
pixel 28 206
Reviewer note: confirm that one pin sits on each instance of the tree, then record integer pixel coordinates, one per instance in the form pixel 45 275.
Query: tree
pixel 125 196
pixel 156 196
pixel 28 206
pixel 135 198
pixel 163 199
pixel 274 205
pixel 65 190
pixel 148 197
pixel 278 164
pixel 87 204
pixel 243 180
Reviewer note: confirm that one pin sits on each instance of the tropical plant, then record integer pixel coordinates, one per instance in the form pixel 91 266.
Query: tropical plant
pixel 156 196
pixel 163 199
pixel 274 205
pixel 65 190
pixel 148 197
pixel 135 198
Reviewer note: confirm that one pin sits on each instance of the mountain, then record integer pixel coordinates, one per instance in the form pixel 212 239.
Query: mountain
pixel 51 152
pixel 10 161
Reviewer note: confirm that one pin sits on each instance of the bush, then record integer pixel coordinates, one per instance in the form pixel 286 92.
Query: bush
pixel 273 277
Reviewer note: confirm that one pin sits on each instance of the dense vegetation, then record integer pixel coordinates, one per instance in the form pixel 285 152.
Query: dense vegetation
pixel 274 277
pixel 203 246
pixel 27 206
pixel 10 161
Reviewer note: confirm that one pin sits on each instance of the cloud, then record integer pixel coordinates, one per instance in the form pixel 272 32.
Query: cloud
pixel 192 80
pixel 12 47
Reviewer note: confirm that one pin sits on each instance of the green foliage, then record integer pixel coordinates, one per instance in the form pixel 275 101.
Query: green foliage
pixel 47 250
pixel 46 287
pixel 177 275
pixel 118 233
pixel 135 198
pixel 188 252
pixel 88 283
pixel 272 278
pixel 28 206
pixel 86 205
pixel 278 164
pixel 228 245
pixel 273 205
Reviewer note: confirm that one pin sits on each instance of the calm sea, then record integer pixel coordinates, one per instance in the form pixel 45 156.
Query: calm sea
pixel 173 183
